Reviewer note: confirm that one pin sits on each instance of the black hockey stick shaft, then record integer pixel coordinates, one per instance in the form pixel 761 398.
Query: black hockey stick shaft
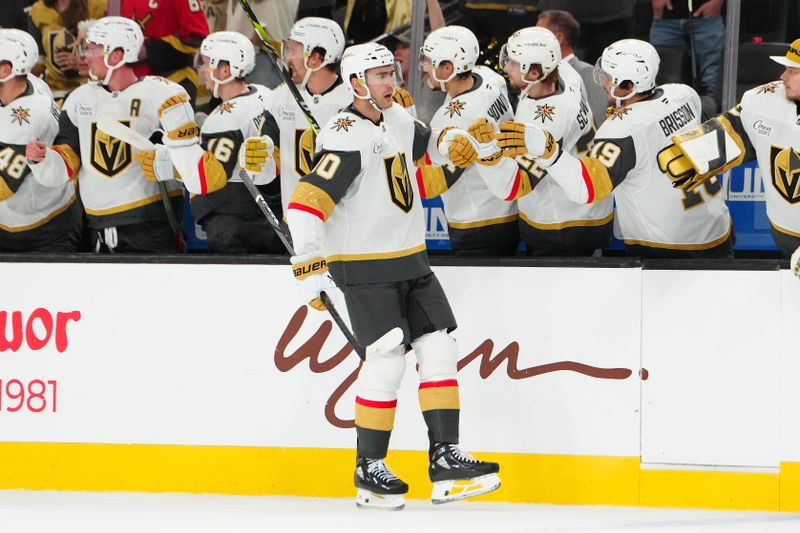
pixel 273 56
pixel 286 239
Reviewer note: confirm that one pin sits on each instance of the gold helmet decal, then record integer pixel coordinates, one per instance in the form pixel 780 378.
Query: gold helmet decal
pixel 399 181
pixel 109 155
pixel 303 151
pixel 785 163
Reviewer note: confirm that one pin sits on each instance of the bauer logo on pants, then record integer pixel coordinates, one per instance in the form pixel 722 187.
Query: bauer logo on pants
pixel 110 156
pixel 399 182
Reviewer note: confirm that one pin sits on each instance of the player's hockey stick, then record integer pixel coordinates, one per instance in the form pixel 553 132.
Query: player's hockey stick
pixel 273 56
pixel 135 139
pixel 389 340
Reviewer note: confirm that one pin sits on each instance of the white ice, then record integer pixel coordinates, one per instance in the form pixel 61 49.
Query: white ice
pixel 120 512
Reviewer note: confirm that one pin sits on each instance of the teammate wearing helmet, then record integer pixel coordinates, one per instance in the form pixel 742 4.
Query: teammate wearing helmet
pixel 656 219
pixel 29 43
pixel 361 208
pixel 36 215
pixel 478 222
pixel 237 134
pixel 126 211
pixel 764 126
pixel 550 223
pixel 312 52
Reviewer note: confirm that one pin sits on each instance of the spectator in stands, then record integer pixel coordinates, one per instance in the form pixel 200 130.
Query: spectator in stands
pixel 602 22
pixel 54 24
pixel 367 19
pixel 567 30
pixel 216 12
pixel 673 25
pixel 13 14
pixel 173 31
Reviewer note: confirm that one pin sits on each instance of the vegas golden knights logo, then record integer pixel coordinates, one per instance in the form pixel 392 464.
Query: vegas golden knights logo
pixel 400 189
pixel 110 156
pixel 304 151
pixel 60 41
pixel 785 163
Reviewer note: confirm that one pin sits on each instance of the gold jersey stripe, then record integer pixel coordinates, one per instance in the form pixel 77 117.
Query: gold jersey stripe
pixel 599 176
pixel 381 419
pixel 568 223
pixel 42 222
pixel 170 102
pixel 5 190
pixel 313 197
pixel 378 255
pixel 179 45
pixel 216 178
pixel 438 398
pixel 706 246
pixel 72 160
pixel 483 223
pixel 785 231
pixel 433 179
pixel 133 205
pixel 523 188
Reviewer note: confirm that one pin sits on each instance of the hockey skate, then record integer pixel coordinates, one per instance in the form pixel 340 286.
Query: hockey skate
pixel 378 487
pixel 457 475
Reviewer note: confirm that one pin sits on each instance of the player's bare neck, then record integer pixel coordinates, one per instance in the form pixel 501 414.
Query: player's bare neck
pixel 540 90
pixel 457 87
pixel 122 78
pixel 232 89
pixel 367 110
pixel 13 89
pixel 321 81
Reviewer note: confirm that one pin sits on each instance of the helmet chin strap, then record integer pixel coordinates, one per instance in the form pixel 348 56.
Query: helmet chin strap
pixel 529 84
pixel 309 72
pixel 433 77
pixel 217 83
pixel 620 99
pixel 368 97
pixel 111 69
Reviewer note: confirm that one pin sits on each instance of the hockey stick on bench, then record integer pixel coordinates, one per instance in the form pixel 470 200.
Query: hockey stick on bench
pixel 389 340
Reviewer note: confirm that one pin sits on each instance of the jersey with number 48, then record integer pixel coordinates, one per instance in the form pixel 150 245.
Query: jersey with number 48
pixel 29 210
pixel 623 159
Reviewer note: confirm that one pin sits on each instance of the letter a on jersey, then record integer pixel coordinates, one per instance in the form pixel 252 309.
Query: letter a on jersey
pixel 110 156
pixel 399 182
pixel 786 172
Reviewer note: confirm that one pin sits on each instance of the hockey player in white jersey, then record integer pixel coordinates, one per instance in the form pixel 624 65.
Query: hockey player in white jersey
pixel 237 134
pixel 35 215
pixel 656 219
pixel 478 222
pixel 765 126
pixel 127 212
pixel 27 41
pixel 358 212
pixel 312 52
pixel 552 97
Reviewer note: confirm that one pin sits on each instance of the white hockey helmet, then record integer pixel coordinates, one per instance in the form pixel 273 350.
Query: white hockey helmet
pixel 116 32
pixel 230 46
pixel 628 60
pixel 455 44
pixel 318 32
pixel 358 59
pixel 20 49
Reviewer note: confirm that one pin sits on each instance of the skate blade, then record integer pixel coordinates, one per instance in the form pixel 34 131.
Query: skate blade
pixel 385 502
pixel 460 489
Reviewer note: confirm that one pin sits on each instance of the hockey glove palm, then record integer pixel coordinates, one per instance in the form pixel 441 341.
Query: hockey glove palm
pixel 254 153
pixel 311 270
pixel 517 138
pixel 156 164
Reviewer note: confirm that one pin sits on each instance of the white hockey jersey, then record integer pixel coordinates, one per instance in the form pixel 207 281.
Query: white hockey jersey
pixel 566 115
pixel 223 133
pixel 361 188
pixel 29 209
pixel 768 124
pixel 296 140
pixel 113 188
pixel 476 218
pixel 650 211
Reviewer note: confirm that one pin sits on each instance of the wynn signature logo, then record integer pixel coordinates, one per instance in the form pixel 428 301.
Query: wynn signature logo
pixel 489 362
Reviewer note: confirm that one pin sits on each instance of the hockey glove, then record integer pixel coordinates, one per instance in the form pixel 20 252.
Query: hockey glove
pixel 254 152
pixel 794 263
pixel 458 146
pixel 311 270
pixel 483 131
pixel 517 138
pixel 156 164
pixel 699 154
pixel 403 97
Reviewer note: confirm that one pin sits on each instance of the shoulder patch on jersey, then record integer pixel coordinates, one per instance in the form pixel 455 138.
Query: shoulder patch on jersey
pixel 770 87
pixel 620 113
pixel 342 123
pixel 20 115
pixel 226 107
pixel 455 107
pixel 544 112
